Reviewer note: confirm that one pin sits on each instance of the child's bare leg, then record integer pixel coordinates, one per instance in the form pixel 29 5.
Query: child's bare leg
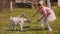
pixel 48 26
pixel 41 22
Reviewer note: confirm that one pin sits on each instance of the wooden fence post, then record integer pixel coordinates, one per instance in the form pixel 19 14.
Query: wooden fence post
pixel 11 6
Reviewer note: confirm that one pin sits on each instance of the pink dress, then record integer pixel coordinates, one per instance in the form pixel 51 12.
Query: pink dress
pixel 50 14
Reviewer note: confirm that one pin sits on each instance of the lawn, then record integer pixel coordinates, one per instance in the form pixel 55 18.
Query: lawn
pixel 35 27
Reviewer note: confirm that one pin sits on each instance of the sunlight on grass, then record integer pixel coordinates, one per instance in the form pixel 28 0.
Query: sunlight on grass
pixel 34 26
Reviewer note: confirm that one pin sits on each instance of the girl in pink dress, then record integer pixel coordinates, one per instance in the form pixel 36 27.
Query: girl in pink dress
pixel 47 15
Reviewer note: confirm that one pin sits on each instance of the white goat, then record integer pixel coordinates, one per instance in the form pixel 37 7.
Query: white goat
pixel 18 21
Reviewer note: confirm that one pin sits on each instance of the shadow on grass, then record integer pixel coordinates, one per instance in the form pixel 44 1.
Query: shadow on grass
pixel 33 29
pixel 12 29
pixel 27 28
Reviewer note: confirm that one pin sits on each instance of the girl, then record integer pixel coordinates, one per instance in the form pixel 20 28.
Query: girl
pixel 47 14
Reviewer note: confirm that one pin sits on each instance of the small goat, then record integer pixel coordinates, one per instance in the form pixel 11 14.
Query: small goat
pixel 19 20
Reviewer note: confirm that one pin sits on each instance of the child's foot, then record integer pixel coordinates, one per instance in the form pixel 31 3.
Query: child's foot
pixel 50 29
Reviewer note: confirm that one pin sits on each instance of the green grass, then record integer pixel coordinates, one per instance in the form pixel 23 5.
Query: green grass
pixel 34 26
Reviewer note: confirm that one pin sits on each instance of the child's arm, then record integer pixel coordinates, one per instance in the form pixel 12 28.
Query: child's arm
pixel 41 18
pixel 35 12
pixel 43 15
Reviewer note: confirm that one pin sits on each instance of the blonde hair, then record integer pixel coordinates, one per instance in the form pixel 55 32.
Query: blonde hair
pixel 42 3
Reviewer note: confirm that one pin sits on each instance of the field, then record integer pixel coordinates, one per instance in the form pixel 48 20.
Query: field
pixel 35 27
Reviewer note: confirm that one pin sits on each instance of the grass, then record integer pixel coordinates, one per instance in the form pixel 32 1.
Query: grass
pixel 34 26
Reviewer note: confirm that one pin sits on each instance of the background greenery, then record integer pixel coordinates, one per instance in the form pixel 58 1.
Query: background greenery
pixel 35 27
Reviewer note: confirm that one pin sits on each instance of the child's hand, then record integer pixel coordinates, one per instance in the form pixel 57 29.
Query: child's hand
pixel 38 20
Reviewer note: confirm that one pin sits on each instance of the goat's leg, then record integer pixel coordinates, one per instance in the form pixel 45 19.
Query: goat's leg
pixel 21 26
pixel 11 24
